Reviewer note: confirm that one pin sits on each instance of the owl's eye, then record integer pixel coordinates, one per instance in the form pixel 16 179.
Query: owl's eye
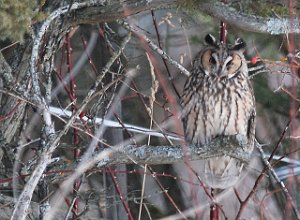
pixel 229 64
pixel 206 60
pixel 212 60
pixel 234 64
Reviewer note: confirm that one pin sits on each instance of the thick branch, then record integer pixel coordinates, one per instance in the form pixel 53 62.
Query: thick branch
pixel 131 154
pixel 247 22
pixel 102 10
pixel 26 195
pixel 231 146
pixel 113 10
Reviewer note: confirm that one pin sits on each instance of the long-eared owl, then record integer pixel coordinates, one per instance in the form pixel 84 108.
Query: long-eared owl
pixel 218 100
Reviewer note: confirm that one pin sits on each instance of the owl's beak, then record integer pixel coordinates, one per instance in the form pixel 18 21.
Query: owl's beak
pixel 221 71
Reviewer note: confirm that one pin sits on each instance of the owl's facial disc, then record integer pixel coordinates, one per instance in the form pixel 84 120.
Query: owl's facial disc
pixel 221 63
pixel 233 65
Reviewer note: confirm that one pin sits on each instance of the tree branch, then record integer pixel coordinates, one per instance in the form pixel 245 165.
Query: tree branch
pixel 286 192
pixel 99 11
pixel 155 48
pixel 231 146
pixel 24 200
pixel 131 154
pixel 270 25
pixel 5 71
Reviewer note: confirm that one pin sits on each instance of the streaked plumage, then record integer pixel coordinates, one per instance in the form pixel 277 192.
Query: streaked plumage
pixel 218 100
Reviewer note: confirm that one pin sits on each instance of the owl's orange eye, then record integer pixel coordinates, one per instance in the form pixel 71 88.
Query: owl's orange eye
pixel 234 65
pixel 212 60
pixel 229 64
pixel 206 60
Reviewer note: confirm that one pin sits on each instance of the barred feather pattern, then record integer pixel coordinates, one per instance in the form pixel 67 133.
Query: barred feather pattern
pixel 218 106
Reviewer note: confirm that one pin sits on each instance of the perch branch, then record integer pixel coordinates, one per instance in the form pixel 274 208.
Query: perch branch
pixel 231 146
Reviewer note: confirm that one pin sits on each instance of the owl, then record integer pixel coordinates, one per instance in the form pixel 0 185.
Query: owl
pixel 218 100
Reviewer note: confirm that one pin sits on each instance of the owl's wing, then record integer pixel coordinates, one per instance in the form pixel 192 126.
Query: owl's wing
pixel 251 129
pixel 184 114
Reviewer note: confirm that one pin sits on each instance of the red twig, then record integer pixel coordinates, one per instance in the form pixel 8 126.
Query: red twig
pixel 243 203
pixel 160 46
pixel 11 112
pixel 262 174
pixel 279 141
pixel 65 86
pixel 165 192
pixel 214 209
pixel 223 32
pixel 89 57
pixel 73 107
pixel 125 204
pixel 209 194
pixel 124 127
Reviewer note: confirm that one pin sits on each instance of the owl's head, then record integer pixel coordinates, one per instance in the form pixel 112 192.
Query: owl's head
pixel 219 60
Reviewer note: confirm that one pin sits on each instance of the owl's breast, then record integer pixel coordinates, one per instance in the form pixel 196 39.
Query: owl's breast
pixel 218 108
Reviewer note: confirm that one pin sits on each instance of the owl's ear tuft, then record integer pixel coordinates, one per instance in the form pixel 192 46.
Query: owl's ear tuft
pixel 239 44
pixel 210 39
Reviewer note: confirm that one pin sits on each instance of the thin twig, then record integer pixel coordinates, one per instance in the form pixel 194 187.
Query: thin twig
pixel 160 46
pixel 76 152
pixel 155 48
pixel 124 202
pixel 150 111
pixel 22 205
pixel 88 97
pixel 281 184
pixel 257 181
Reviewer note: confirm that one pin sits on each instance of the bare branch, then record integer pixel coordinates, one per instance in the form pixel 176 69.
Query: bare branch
pixel 231 146
pixel 156 49
pixel 5 71
pixel 131 154
pixel 98 11
pixel 24 200
pixel 57 112
pixel 247 22
pixel 112 10
pixel 281 184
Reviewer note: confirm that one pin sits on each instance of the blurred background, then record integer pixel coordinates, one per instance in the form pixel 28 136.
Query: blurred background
pixel 150 99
